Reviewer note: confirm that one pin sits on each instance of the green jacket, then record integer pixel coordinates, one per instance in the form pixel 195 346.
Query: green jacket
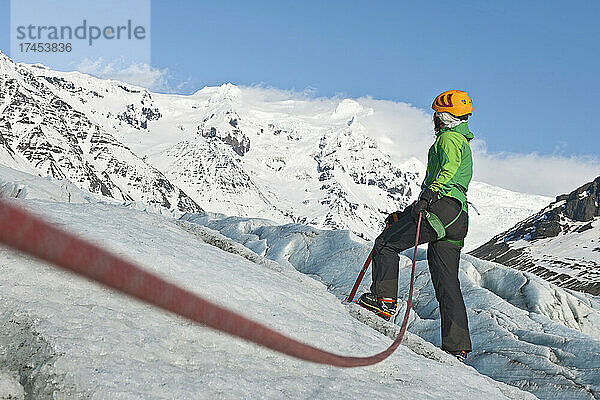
pixel 450 163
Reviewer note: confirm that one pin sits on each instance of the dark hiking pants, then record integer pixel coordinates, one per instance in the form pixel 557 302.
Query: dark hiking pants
pixel 443 258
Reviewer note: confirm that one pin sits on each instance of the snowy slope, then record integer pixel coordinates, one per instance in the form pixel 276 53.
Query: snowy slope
pixel 237 151
pixel 525 331
pixel 496 210
pixel 560 243
pixel 69 338
pixel 17 184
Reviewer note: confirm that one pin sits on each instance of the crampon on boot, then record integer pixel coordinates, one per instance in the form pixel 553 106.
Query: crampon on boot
pixel 384 307
pixel 461 355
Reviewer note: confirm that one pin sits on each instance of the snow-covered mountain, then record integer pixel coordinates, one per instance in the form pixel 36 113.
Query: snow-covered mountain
pixel 42 132
pixel 224 149
pixel 561 243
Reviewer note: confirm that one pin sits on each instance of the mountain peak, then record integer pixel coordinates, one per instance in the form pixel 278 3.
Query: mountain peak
pixel 6 64
pixel 228 91
pixel 349 108
pixel 582 204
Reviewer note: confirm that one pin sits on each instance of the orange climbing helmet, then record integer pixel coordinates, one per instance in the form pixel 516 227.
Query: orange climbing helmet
pixel 455 102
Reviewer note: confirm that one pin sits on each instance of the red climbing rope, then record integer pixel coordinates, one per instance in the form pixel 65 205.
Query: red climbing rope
pixel 32 235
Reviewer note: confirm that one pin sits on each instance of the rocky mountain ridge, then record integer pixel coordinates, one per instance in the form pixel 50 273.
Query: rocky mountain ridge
pixel 561 243
pixel 41 132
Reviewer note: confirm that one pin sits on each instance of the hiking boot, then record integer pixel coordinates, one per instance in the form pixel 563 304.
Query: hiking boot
pixel 461 355
pixel 384 307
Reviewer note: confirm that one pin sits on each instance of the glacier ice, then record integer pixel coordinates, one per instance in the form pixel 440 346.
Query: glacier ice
pixel 525 331
pixel 66 337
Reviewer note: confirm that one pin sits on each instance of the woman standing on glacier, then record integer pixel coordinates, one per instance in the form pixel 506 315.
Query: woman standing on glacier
pixel 443 202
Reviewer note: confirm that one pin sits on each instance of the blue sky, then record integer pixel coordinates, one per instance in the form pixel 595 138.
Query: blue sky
pixel 529 66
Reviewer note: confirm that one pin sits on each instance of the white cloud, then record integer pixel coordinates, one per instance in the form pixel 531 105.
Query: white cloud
pixel 548 175
pixel 138 74
pixel 401 130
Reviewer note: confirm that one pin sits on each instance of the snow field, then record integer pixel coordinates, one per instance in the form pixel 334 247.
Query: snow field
pixel 498 210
